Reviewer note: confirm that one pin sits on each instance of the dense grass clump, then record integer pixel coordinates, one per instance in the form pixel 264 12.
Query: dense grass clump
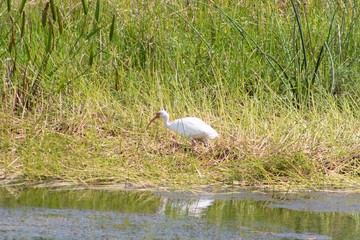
pixel 279 80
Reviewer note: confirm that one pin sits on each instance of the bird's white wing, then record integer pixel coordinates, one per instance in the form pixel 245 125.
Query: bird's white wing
pixel 192 127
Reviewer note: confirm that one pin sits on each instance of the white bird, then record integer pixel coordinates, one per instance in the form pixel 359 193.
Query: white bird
pixel 189 127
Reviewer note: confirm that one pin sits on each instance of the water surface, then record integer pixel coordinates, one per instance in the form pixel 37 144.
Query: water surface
pixel 101 214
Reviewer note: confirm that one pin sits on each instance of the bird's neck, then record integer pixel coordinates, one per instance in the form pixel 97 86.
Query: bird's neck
pixel 166 121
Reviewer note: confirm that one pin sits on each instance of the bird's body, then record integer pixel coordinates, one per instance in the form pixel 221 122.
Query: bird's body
pixel 192 127
pixel 189 127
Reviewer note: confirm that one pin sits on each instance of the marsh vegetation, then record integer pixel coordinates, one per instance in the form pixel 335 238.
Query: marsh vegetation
pixel 279 80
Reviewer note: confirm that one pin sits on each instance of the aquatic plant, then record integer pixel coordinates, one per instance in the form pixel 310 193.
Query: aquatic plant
pixel 278 80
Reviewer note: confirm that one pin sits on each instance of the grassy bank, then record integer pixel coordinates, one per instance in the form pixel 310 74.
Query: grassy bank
pixel 279 81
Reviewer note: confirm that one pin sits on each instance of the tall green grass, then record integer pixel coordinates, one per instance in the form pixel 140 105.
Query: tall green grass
pixel 277 79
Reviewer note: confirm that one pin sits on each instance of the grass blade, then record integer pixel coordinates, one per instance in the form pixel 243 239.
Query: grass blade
pixel 27 51
pixel 97 10
pixel 322 49
pixel 94 31
pixel 302 39
pixel 53 9
pixel 12 40
pixel 22 5
pixel 116 78
pixel 84 6
pixel 60 21
pixel 48 39
pixel 317 65
pixel 112 27
pixel 8 5
pixel 332 88
pixel 22 26
pixel 44 14
pixel 91 54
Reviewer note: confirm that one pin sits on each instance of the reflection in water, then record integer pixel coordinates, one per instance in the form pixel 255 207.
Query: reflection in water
pixel 142 214
pixel 122 201
pixel 184 207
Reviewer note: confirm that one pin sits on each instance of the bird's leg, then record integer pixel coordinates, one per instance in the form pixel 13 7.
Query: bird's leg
pixel 205 141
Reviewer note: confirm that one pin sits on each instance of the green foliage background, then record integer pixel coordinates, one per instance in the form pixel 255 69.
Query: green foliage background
pixel 278 79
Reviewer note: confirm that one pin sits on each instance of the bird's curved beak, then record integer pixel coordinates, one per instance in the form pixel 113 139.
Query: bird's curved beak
pixel 156 116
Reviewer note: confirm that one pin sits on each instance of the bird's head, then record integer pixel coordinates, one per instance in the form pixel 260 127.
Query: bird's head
pixel 161 114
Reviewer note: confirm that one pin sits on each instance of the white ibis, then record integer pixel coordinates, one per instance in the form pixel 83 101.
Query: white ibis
pixel 189 127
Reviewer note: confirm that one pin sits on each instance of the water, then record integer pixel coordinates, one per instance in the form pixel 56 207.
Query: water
pixel 104 214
